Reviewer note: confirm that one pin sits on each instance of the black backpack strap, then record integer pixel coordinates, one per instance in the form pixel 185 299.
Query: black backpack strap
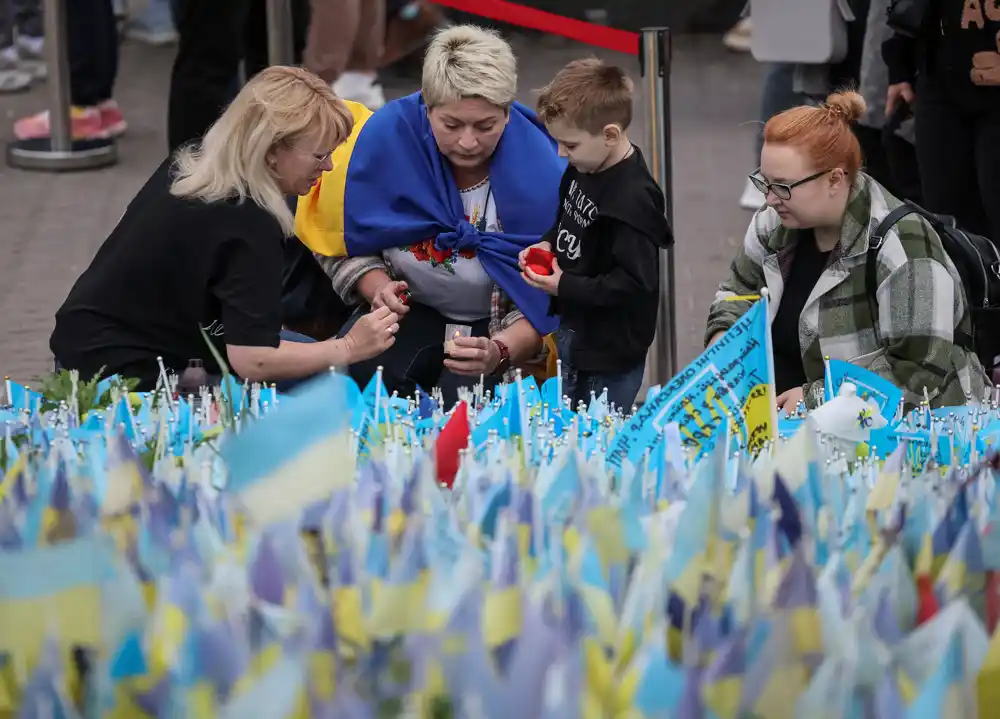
pixel 875 242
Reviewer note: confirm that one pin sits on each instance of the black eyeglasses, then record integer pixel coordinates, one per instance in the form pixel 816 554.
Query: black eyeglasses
pixel 781 190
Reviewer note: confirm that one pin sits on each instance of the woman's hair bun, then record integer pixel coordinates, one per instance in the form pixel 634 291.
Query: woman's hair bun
pixel 847 105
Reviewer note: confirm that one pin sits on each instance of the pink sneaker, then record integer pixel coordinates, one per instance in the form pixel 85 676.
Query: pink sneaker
pixel 112 120
pixel 85 124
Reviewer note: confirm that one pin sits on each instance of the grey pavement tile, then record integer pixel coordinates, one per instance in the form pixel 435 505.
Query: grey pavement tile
pixel 51 225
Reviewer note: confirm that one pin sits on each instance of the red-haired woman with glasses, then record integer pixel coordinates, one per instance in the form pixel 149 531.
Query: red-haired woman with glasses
pixel 809 246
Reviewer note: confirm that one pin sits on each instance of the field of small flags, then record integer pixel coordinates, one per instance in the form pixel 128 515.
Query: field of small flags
pixel 346 552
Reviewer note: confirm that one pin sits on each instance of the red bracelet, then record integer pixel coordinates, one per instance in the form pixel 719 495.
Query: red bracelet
pixel 504 362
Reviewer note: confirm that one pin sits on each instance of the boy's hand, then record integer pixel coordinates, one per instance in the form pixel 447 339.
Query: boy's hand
pixel 546 283
pixel 524 253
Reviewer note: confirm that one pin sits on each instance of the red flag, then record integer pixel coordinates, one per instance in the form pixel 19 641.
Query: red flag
pixel 453 438
pixel 992 601
pixel 927 603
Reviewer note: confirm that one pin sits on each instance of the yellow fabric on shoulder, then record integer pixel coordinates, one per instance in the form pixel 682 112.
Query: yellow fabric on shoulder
pixel 319 217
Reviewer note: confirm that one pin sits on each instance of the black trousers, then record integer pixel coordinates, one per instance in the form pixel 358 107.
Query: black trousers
pixel 847 72
pixel 417 355
pixel 958 150
pixel 255 58
pixel 209 52
pixel 92 39
pixel 892 161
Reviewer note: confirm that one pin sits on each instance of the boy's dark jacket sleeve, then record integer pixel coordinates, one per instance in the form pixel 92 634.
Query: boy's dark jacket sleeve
pixel 637 228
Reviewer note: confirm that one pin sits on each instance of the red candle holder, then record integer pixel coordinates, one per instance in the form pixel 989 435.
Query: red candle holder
pixel 539 261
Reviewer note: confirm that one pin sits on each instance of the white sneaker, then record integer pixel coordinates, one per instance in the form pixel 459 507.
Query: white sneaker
pixel 374 98
pixel 15 81
pixel 30 47
pixel 32 60
pixel 361 87
pixel 9 58
pixel 150 36
pixel 752 198
pixel 739 37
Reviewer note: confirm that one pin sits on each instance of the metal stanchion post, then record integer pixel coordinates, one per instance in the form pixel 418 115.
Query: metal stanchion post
pixel 59 152
pixel 280 47
pixel 654 59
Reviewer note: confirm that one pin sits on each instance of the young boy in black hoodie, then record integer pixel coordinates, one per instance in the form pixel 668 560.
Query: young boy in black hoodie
pixel 609 228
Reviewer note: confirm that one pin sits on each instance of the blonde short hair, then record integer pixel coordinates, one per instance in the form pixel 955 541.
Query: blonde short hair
pixel 469 61
pixel 278 105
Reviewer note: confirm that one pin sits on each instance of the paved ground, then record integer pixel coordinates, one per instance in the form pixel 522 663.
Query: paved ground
pixel 51 225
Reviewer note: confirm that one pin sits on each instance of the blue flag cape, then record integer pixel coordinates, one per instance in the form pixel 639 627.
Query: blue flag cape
pixel 391 187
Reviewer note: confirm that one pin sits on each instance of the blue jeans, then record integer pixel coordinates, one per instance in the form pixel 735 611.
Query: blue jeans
pixel 24 16
pixel 622 387
pixel 777 94
pixel 157 17
pixel 288 385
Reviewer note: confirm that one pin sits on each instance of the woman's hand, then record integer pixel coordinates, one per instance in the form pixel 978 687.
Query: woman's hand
pixel 789 399
pixel 522 256
pixel 900 91
pixel 473 356
pixel 388 296
pixel 372 335
pixel 546 283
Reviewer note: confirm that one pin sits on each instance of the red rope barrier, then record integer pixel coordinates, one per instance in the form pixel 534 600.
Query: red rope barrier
pixel 597 35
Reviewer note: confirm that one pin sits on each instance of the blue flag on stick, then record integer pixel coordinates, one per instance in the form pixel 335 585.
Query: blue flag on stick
pixel 734 378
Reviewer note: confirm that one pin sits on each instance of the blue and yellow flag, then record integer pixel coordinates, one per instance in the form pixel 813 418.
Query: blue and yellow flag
pixel 728 388
pixel 280 465
pixel 391 187
pixel 20 397
pixel 885 393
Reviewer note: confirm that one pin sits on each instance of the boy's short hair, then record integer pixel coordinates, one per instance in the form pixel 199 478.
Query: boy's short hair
pixel 588 94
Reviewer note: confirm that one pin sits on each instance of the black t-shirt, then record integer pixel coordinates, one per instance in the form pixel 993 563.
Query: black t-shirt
pixel 807 266
pixel 610 227
pixel 171 267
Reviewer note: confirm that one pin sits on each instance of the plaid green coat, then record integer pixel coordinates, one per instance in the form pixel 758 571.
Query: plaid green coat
pixel 921 303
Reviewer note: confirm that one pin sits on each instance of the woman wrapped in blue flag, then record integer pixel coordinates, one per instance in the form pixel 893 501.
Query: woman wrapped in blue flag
pixel 427 207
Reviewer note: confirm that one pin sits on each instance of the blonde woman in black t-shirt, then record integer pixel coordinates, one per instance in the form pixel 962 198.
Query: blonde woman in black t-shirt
pixel 199 250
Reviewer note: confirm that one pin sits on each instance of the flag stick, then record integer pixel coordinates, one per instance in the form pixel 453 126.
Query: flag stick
pixel 131 416
pixel 378 391
pixel 522 410
pixel 559 388
pixel 828 380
